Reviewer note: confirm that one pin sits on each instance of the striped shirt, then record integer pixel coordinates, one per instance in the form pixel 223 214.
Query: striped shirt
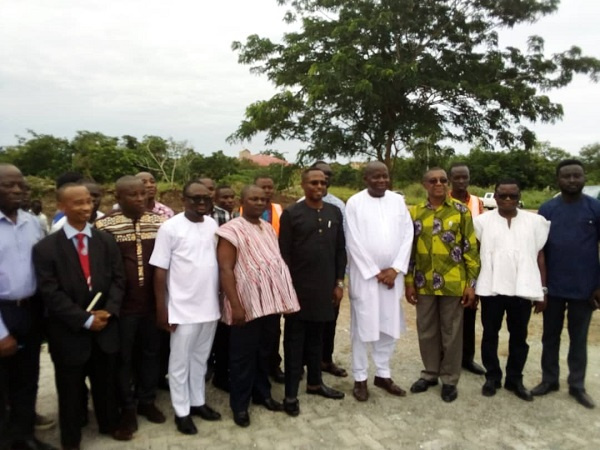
pixel 263 281
pixel 136 243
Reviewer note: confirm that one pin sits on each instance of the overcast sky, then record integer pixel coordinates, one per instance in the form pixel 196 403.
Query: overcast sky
pixel 166 68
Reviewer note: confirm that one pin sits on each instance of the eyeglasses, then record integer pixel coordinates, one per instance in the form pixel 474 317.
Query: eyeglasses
pixel 199 199
pixel 434 181
pixel 507 196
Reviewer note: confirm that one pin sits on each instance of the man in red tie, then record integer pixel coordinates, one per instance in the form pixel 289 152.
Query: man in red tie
pixel 74 267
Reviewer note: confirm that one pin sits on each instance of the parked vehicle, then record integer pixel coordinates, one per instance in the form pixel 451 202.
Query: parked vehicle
pixel 489 202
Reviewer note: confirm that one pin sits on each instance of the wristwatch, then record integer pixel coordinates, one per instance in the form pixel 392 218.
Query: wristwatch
pixel 544 290
pixel 340 284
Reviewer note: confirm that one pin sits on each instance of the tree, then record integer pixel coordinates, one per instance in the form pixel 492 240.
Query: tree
pixel 366 77
pixel 590 156
pixel 42 155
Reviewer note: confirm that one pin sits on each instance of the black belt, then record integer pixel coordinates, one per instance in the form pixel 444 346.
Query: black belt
pixel 19 303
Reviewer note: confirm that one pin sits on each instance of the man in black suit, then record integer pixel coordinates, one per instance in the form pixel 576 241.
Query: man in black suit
pixel 311 240
pixel 74 266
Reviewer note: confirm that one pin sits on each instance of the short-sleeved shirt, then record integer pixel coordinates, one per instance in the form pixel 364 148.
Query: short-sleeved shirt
pixel 572 264
pixel 136 243
pixel 188 251
pixel 509 254
pixel 444 259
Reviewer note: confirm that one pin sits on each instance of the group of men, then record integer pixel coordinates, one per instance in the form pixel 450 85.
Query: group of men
pixel 215 284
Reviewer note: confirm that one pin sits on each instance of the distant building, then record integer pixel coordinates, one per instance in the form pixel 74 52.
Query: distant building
pixel 261 160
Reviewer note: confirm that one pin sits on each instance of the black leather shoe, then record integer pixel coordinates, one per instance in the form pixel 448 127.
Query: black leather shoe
pixel 327 392
pixel 544 388
pixel 206 412
pixel 582 397
pixel 489 388
pixel 241 419
pixel 473 367
pixel 291 408
pixel 185 425
pixel 449 393
pixel 269 403
pixel 421 385
pixel 519 390
pixel 278 376
pixel 31 444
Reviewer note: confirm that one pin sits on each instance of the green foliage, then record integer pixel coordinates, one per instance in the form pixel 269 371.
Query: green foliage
pixel 366 77
pixel 590 156
pixel 40 154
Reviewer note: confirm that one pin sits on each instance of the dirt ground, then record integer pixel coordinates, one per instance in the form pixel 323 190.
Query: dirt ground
pixel 421 421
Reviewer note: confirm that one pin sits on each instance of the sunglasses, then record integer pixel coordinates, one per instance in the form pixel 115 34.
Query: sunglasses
pixel 317 183
pixel 199 199
pixel 434 181
pixel 508 196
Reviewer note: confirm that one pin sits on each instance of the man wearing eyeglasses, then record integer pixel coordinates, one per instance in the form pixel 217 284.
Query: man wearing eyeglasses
pixel 327 363
pixel 311 240
pixel 512 276
pixel 460 177
pixel 186 283
pixel 441 282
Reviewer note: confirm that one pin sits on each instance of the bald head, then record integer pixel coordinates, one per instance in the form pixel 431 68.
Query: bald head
pixel 8 168
pixel 377 178
pixel 374 166
pixel 127 181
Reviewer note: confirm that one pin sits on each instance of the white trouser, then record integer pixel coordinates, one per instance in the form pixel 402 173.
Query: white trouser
pixel 190 348
pixel 381 351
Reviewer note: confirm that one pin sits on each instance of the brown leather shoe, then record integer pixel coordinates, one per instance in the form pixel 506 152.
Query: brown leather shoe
pixel 360 391
pixel 151 412
pixel 128 422
pixel 122 434
pixel 389 385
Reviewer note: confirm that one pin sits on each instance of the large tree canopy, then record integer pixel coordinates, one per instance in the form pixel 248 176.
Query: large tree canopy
pixel 375 77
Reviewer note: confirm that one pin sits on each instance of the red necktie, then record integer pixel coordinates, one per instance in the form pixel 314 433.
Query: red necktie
pixel 84 259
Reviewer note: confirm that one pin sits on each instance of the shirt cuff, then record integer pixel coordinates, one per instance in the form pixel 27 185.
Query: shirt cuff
pixel 88 323
pixel 3 330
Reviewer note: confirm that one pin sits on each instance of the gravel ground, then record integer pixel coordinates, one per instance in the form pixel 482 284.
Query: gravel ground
pixel 416 421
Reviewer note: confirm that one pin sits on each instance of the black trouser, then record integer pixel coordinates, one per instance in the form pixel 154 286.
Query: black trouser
pixel 578 324
pixel 518 312
pixel 273 340
pixel 469 335
pixel 164 353
pixel 329 337
pixel 249 362
pixel 101 370
pixel 19 373
pixel 138 359
pixel 302 342
pixel 221 355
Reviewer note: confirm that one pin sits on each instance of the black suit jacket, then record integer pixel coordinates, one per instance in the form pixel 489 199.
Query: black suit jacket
pixel 66 295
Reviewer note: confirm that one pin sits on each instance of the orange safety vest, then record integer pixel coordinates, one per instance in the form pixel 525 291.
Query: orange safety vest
pixel 474 204
pixel 276 210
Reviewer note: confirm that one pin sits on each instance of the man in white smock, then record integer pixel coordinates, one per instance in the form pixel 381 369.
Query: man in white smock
pixel 379 234
pixel 186 286
pixel 512 276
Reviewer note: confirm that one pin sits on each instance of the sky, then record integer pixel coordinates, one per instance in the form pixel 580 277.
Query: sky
pixel 163 68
